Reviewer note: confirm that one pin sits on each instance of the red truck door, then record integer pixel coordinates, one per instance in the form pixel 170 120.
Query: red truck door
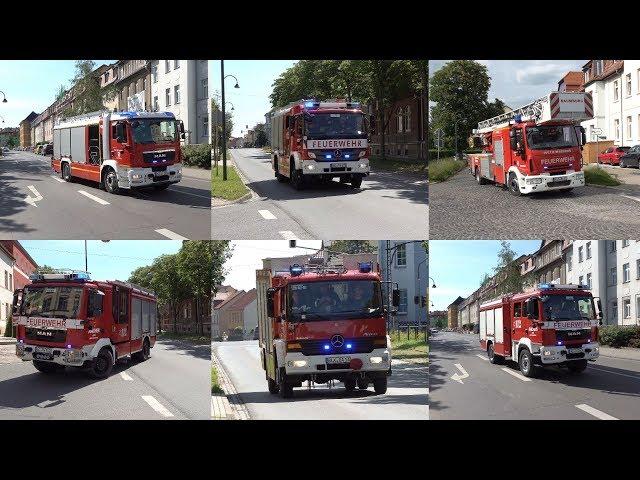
pixel 120 331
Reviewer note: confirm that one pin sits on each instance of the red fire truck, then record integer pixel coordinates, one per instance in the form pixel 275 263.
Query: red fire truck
pixel 66 319
pixel 535 148
pixel 318 323
pixel 119 150
pixel 320 140
pixel 547 325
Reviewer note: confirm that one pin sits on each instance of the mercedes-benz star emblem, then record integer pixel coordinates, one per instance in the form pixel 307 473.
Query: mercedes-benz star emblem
pixel 337 153
pixel 337 341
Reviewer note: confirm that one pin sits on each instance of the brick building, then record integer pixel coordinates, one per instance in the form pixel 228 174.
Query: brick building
pixel 23 266
pixel 194 316
pixel 572 82
pixel 25 130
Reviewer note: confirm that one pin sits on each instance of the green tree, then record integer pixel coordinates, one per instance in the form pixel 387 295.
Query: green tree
pixel 352 246
pixel 194 267
pixel 216 128
pixel 167 284
pixel 60 93
pixel 13 142
pixel 142 276
pixel 508 269
pixel 87 93
pixel 45 269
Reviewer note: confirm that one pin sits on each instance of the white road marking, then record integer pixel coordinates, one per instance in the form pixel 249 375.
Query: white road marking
pixel 157 406
pixel 169 234
pixel 57 179
pixel 516 374
pixel 126 376
pixel 34 191
pixel 637 377
pixel 637 199
pixel 595 412
pixel 482 357
pixel 288 235
pixel 267 215
pixel 93 197
pixel 33 200
pixel 457 377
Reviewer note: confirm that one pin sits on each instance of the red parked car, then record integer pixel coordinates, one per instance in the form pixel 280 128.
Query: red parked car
pixel 612 155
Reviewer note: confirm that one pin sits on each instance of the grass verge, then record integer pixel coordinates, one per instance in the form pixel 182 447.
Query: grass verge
pixel 215 386
pixel 186 337
pixel 413 350
pixel 231 189
pixel 598 176
pixel 441 170
pixel 395 164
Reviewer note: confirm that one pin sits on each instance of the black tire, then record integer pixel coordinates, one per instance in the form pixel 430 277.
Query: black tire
pixel 285 388
pixel 143 354
pixel 479 179
pixel 514 186
pixel 66 172
pixel 110 181
pixel 380 385
pixel 493 358
pixel 577 366
pixel 356 182
pixel 102 364
pixel 276 168
pixel 525 362
pixel 273 386
pixel 295 176
pixel 161 187
pixel 350 384
pixel 363 383
pixel 47 367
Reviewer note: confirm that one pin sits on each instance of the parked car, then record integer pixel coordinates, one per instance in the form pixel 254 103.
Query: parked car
pixel 631 158
pixel 47 149
pixel 43 147
pixel 256 334
pixel 611 155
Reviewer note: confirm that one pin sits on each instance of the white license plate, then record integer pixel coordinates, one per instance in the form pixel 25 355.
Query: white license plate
pixel 338 165
pixel 47 350
pixel 334 360
pixel 575 350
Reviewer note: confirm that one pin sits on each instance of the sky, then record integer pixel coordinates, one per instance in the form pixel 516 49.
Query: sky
pixel 113 260
pixel 251 100
pixel 457 267
pixel 248 254
pixel 518 82
pixel 31 85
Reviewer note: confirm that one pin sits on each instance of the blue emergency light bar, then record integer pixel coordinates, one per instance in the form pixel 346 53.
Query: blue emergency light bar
pixel 73 276
pixel 311 104
pixel 517 118
pixel 365 267
pixel 296 270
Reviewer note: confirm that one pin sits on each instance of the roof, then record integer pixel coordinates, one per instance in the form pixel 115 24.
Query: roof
pixel 241 300
pixel 456 302
pixel 93 117
pixel 16 244
pixel 225 302
pixel 30 117
pixel 9 254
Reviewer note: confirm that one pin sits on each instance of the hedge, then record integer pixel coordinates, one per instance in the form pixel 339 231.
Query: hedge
pixel 620 336
pixel 197 155
pixel 449 152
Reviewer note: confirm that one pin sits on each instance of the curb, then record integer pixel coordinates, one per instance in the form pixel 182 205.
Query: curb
pixel 7 341
pixel 621 353
pixel 223 202
pixel 227 406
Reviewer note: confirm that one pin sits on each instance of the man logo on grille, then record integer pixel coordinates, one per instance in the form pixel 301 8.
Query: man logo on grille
pixel 337 341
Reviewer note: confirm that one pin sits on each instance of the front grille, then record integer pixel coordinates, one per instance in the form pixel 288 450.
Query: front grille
pixel 321 155
pixel 54 336
pixel 316 347
pixel 159 157
pixel 564 183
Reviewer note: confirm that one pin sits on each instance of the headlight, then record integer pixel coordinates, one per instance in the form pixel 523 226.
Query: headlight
pixel 375 360
pixel 297 363
pixel 71 355
pixel 363 165
pixel 311 167
pixel 547 353
pixel 136 176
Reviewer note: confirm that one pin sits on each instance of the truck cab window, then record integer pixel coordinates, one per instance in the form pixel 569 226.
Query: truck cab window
pixel 94 305
pixel 517 310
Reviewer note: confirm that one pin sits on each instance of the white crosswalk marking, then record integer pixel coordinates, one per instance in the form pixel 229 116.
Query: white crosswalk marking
pixel 93 197
pixel 288 235
pixel 157 406
pixel 267 215
pixel 595 412
pixel 169 234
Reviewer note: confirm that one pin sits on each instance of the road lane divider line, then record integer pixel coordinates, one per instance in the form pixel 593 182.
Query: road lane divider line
pixel 157 406
pixel 595 412
pixel 637 377
pixel 126 376
pixel 630 197
pixel 267 215
pixel 93 197
pixel 169 234
pixel 482 357
pixel 516 374
pixel 288 235
pixel 57 179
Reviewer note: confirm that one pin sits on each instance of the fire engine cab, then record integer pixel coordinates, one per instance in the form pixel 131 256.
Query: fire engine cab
pixel 320 140
pixel 119 150
pixel 65 319
pixel 318 323
pixel 550 324
pixel 535 148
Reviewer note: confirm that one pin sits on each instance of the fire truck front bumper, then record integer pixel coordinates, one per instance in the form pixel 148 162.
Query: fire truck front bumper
pixel 546 183
pixel 378 360
pixel 146 176
pixel 562 353
pixel 69 356
pixel 336 168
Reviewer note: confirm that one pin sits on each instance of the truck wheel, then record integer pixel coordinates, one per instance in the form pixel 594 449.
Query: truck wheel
pixel 143 354
pixel 102 364
pixel 281 178
pixel 514 187
pixel 296 176
pixel 525 362
pixel 363 384
pixel 493 358
pixel 356 182
pixel 380 385
pixel 66 172
pixel 110 181
pixel 350 384
pixel 47 367
pixel 273 386
pixel 286 389
pixel 577 366
pixel 479 178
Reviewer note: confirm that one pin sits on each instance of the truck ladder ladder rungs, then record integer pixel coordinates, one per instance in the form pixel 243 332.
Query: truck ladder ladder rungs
pixel 531 111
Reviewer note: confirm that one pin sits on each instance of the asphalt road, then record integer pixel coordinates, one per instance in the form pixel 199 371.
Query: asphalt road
pixel 610 387
pixel 173 384
pixel 406 397
pixel 65 212
pixel 462 209
pixel 387 206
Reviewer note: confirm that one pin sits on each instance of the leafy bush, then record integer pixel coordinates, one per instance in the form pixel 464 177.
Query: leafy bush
pixel 197 155
pixel 440 170
pixel 598 176
pixel 8 332
pixel 620 336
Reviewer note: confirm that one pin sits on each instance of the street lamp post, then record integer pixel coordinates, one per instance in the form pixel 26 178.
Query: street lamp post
pixel 5 97
pixel 224 120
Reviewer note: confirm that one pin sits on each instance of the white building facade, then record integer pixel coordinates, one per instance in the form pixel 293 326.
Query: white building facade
pixel 182 87
pixel 6 288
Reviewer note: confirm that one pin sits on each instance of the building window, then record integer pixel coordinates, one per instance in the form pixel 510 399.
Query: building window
pixel 156 107
pixel 176 64
pixel 167 97
pixel 205 124
pixel 626 273
pixel 588 250
pixel 598 68
pixel 629 128
pixel 625 243
pixel 628 83
pixel 581 280
pixel 616 128
pixel 569 262
pixel 154 72
pixel 589 281
pixel 6 280
pixel 205 87
pixel 580 254
pixel 402 307
pixel 144 83
pixel 626 307
pixel 616 92
pixel 614 311
pixel 167 67
pixel 637 306
pixel 176 94
pixel 613 276
pixel 401 256
pixel 612 246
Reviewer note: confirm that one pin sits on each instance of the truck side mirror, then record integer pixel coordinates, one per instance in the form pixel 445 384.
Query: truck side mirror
pixel 120 133
pixel 583 134
pixel 600 314
pixel 395 298
pixel 270 307
pixel 513 142
pixel 182 129
pixel 17 302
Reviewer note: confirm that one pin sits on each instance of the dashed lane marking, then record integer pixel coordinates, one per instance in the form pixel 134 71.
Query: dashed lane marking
pixel 482 357
pixel 169 234
pixel 93 197
pixel 126 376
pixel 288 235
pixel 595 412
pixel 637 199
pixel 157 406
pixel 57 179
pixel 267 215
pixel 516 374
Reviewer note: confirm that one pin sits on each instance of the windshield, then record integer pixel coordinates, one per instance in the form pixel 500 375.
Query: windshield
pixel 550 137
pixel 334 300
pixel 335 125
pixel 154 130
pixel 55 302
pixel 567 307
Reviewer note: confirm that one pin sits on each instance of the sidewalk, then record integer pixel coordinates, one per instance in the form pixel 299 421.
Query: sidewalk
pixel 7 341
pixel 194 172
pixel 626 353
pixel 227 406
